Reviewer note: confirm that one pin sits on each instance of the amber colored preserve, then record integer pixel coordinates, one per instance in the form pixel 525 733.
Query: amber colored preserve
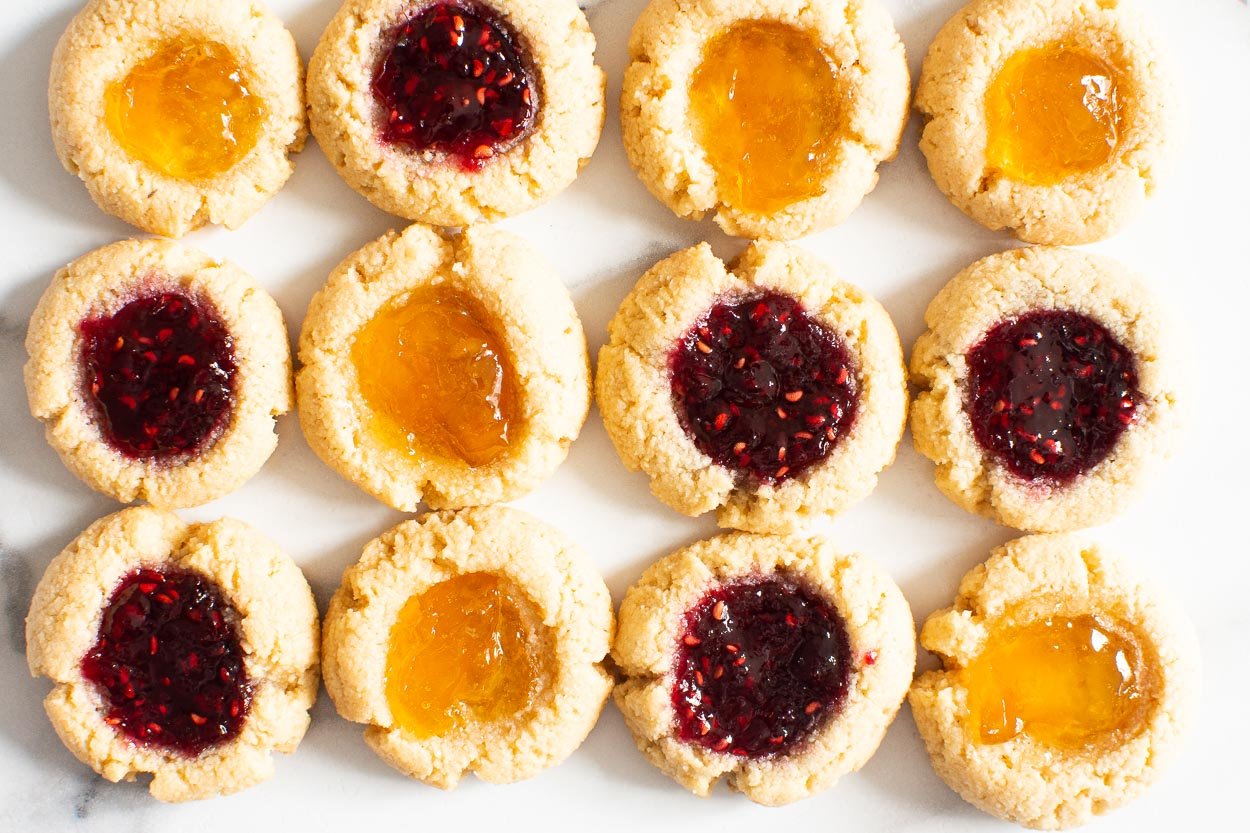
pixel 1068 682
pixel 436 378
pixel 1052 112
pixel 186 111
pixel 460 652
pixel 767 108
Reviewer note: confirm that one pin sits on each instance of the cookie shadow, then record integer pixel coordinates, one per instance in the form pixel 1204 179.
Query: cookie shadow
pixel 22 721
pixel 26 454
pixel 29 163
pixel 907 794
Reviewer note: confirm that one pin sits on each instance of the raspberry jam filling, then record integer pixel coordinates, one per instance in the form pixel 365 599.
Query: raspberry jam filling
pixel 761 664
pixel 1050 393
pixel 762 388
pixel 168 663
pixel 455 79
pixel 159 375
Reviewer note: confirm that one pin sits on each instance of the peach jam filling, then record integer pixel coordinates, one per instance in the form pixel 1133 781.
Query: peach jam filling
pixel 1068 682
pixel 765 103
pixel 1050 113
pixel 186 111
pixel 436 378
pixel 460 653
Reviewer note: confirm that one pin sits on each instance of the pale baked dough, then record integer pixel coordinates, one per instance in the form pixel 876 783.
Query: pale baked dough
pixel 1021 780
pixel 962 62
pixel 100 283
pixel 105 41
pixel 277 628
pixel 555 36
pixel 571 619
pixel 666 48
pixel 1003 286
pixel 878 621
pixel 634 392
pixel 533 317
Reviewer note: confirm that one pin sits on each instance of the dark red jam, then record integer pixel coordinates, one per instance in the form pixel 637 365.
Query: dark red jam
pixel 761 664
pixel 159 375
pixel 168 662
pixel 454 79
pixel 1049 393
pixel 762 388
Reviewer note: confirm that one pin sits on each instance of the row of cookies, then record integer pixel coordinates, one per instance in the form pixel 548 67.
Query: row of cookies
pixel 478 641
pixel 454 372
pixel 1053 121
pixel 180 114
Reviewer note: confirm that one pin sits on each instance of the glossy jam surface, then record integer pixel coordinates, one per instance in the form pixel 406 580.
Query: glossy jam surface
pixel 455 79
pixel 767 107
pixel 159 375
pixel 168 663
pixel 1050 113
pixel 1067 682
pixel 461 653
pixel 763 388
pixel 1050 393
pixel 187 111
pixel 437 379
pixel 761 663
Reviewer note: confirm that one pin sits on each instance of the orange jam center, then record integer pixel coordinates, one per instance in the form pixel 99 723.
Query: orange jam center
pixel 185 111
pixel 766 108
pixel 1068 683
pixel 436 378
pixel 460 653
pixel 1051 113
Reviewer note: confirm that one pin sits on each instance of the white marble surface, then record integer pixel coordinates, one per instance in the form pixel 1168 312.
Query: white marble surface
pixel 902 244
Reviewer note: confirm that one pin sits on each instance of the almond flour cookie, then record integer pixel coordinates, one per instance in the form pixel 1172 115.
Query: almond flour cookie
pixel 158 372
pixel 177 113
pixel 770 391
pixel 771 114
pixel 1054 120
pixel 775 661
pixel 187 652
pixel 470 641
pixel 1066 684
pixel 449 370
pixel 454 112
pixel 1048 388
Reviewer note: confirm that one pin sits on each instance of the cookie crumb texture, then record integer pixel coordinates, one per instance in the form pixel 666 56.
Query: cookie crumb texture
pixel 454 113
pixel 511 614
pixel 769 390
pixel 158 372
pixel 1049 388
pixel 773 116
pixel 1055 121
pixel 177 115
pixel 771 661
pixel 187 653
pixel 449 370
pixel 1066 685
